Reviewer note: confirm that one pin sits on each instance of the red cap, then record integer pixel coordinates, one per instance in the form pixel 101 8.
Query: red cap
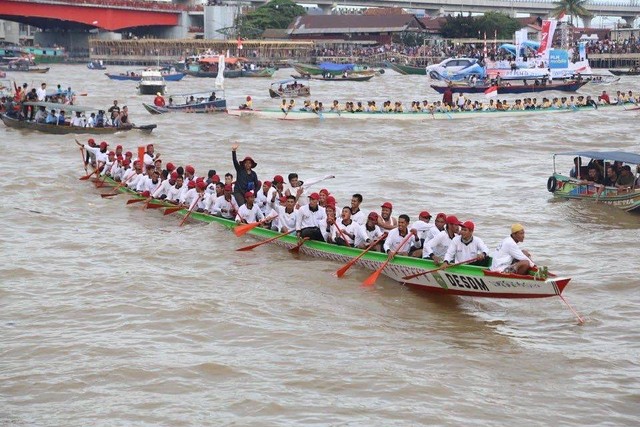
pixel 111 153
pixel 119 157
pixel 103 144
pixel 373 216
pixel 331 206
pixel 199 179
pixel 191 184
pixel 174 175
pixel 248 98
pixel 128 154
pixel 442 216
pixel 190 169
pixel 331 200
pixel 228 187
pixel 170 166
pixel 126 162
pixel 424 214
pixel 387 205
pixel 91 141
pixel 469 225
pixel 453 220
pixel 283 199
pixel 118 147
pixel 136 162
pixel 325 191
pixel 314 196
pixel 146 193
pixel 215 178
pixel 201 185
pixel 253 163
pixel 267 183
pixel 278 178
pixel 248 194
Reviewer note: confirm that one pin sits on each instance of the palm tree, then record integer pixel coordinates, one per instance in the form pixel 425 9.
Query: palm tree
pixel 571 8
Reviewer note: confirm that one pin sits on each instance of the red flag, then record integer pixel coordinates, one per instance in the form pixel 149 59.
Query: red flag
pixel 491 92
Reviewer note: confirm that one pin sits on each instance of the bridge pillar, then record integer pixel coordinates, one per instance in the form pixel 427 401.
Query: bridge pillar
pixel 630 19
pixel 216 18
pixel 10 32
pixel 586 21
pixel 325 8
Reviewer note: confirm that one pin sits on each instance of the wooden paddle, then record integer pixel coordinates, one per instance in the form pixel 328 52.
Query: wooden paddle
pixel 348 265
pixel 371 280
pixel 296 248
pixel 132 201
pixel 245 228
pixel 193 206
pixel 84 162
pixel 171 210
pixel 116 188
pixel 86 177
pixel 442 267
pixel 255 245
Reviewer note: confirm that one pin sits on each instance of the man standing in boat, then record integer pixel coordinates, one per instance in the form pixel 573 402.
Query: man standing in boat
pixel 158 101
pixel 246 178
pixel 114 111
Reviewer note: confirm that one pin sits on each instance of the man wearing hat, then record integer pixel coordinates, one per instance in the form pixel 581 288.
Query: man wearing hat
pixel 508 257
pixel 100 153
pixel 437 247
pixel 176 192
pixel 150 156
pixel 310 216
pixel 385 220
pixel 466 246
pixel 163 189
pixel 225 206
pixel 249 211
pixel 368 233
pixel 422 226
pixel 246 178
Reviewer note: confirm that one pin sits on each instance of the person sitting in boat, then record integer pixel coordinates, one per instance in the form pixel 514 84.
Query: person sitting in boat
pixel 436 248
pixel 51 119
pixel 508 257
pixel 385 220
pixel 99 123
pixel 91 121
pixel 626 179
pixel 594 177
pixel 123 119
pixel 398 107
pixel 589 102
pixel 310 216
pixel 359 108
pixel 212 97
pixel 41 115
pixel 158 101
pixel 78 120
pixel 368 233
pixel 466 246
pixel 396 237
pixel 604 98
pixel 248 105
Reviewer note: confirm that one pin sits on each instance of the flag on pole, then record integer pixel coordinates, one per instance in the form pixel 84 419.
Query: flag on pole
pixel 491 92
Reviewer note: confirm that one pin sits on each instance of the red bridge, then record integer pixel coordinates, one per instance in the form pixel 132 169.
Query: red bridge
pixel 110 15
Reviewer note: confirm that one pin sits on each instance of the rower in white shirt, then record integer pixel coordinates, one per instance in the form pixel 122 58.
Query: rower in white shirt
pixel 150 183
pixel 345 228
pixel 396 237
pixel 78 120
pixel 327 230
pixel 309 218
pixel 262 198
pixel 439 223
pixel 368 233
pixel 508 257
pixel 466 246
pixel 357 214
pixel 108 165
pixel 437 247
pixel 176 192
pixel 190 194
pixel 163 189
pixel 117 170
pixel 100 153
pixel 422 226
pixel 249 212
pixel 287 215
pixel 225 206
pixel 137 175
pixel 150 156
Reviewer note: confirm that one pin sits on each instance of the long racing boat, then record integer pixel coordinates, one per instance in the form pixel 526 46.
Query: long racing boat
pixel 464 280
pixel 512 88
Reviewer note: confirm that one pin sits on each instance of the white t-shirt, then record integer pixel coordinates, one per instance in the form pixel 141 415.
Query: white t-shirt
pixel 460 251
pixel 506 253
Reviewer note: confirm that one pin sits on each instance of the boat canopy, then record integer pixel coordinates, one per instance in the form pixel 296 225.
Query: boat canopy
pixel 228 60
pixel 332 66
pixel 63 107
pixel 616 156
pixel 285 81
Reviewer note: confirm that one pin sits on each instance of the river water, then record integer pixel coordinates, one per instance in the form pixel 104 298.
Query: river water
pixel 112 315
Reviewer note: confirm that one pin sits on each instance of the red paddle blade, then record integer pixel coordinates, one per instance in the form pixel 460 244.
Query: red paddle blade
pixel 153 206
pixel 84 178
pixel 371 280
pixel 244 228
pixel 131 201
pixel 109 195
pixel 344 268
pixel 296 248
pixel 169 211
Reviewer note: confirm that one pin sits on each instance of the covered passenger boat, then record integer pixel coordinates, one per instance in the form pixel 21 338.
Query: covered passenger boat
pixel 576 185
pixel 464 280
pixel 288 88
pixel 16 123
pixel 196 102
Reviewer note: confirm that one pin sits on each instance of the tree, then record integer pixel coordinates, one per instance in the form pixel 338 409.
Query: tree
pixel 275 14
pixel 491 23
pixel 571 8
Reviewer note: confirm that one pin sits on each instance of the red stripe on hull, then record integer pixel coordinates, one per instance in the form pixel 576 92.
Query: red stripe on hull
pixel 477 294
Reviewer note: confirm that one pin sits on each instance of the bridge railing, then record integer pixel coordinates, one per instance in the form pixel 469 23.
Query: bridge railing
pixel 130 4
